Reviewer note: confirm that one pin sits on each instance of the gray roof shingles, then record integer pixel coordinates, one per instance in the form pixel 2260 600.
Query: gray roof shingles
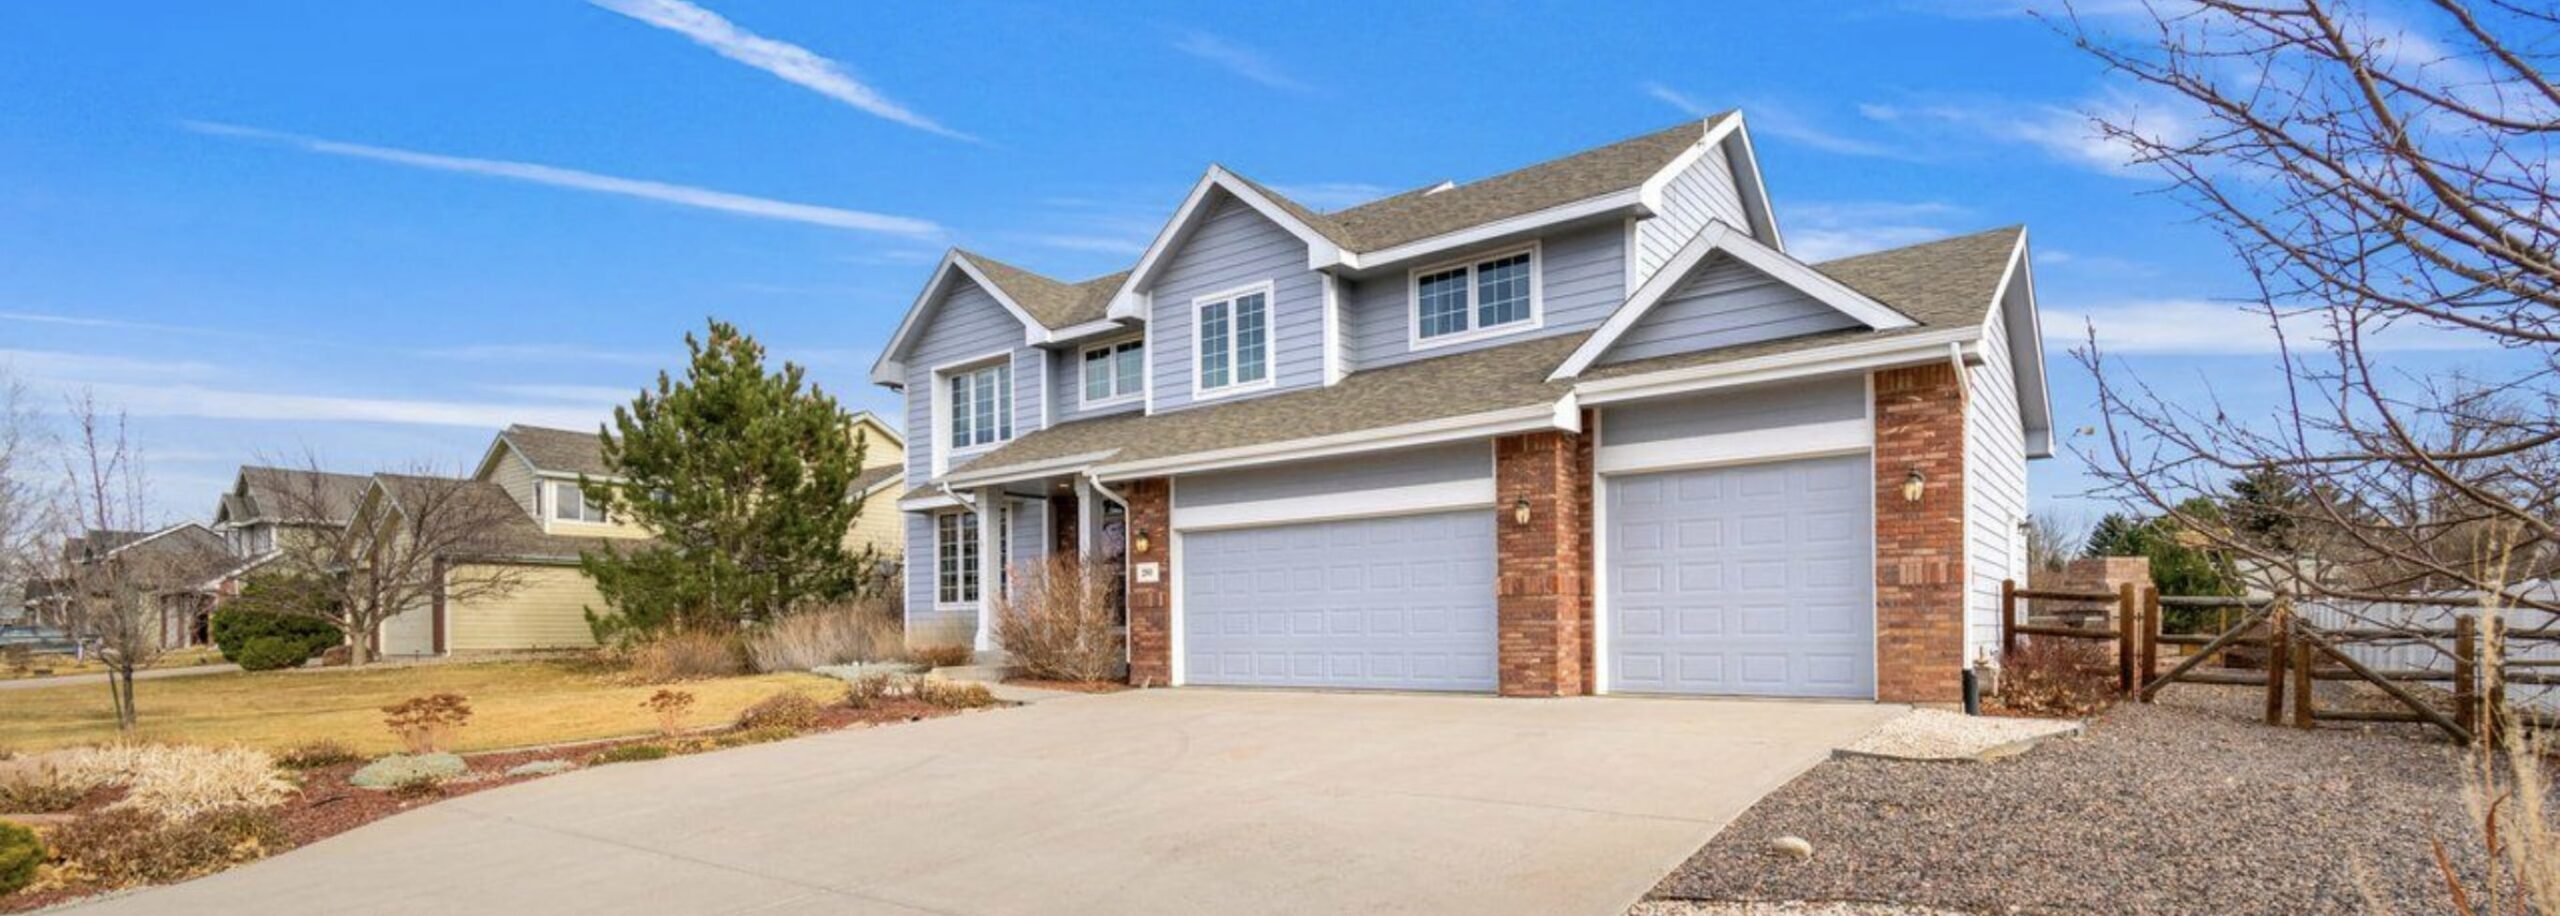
pixel 559 451
pixel 274 494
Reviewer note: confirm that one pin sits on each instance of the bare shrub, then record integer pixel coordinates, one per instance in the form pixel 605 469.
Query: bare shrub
pixel 669 706
pixel 934 691
pixel 1057 622
pixel 789 709
pixel 313 755
pixel 868 690
pixel 686 655
pixel 943 655
pixel 38 787
pixel 423 722
pixel 2056 676
pixel 119 847
pixel 833 634
pixel 177 781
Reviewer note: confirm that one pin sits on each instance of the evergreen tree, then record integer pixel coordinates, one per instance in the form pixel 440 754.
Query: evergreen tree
pixel 2181 562
pixel 2263 508
pixel 745 480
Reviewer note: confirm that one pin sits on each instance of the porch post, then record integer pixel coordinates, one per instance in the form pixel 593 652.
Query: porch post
pixel 990 563
pixel 1085 517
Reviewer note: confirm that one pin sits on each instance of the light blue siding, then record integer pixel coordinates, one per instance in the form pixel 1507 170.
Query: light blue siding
pixel 1066 388
pixel 926 624
pixel 1704 191
pixel 1724 303
pixel 1995 484
pixel 1324 479
pixel 1236 246
pixel 969 323
pixel 1760 407
pixel 1581 280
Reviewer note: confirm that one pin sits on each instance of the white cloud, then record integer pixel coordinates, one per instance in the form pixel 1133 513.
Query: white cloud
pixel 574 394
pixel 1237 59
pixel 226 404
pixel 1096 244
pixel 2198 327
pixel 509 353
pixel 61 366
pixel 792 63
pixel 1676 99
pixel 703 198
pixel 1818 231
pixel 2069 134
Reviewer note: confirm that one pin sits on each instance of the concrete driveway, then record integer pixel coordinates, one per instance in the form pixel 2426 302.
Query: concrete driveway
pixel 1166 801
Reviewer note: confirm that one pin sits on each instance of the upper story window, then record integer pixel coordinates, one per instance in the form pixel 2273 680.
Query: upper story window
pixel 1114 372
pixel 570 504
pixel 1234 340
pixel 1479 297
pixel 980 410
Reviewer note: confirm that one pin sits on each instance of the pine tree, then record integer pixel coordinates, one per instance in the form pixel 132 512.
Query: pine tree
pixel 745 480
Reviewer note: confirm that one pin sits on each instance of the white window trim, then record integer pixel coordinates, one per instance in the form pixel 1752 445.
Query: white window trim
pixel 943 451
pixel 1126 397
pixel 965 604
pixel 1413 298
pixel 1270 341
pixel 551 504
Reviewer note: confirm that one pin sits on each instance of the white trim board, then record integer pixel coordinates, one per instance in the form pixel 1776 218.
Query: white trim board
pixel 1781 443
pixel 1721 237
pixel 1411 499
pixel 1413 339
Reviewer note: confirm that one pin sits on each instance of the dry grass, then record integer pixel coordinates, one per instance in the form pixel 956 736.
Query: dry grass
pixel 831 635
pixel 1057 620
pixel 517 703
pixel 178 781
pixel 685 655
pixel 2059 676
pixel 64 665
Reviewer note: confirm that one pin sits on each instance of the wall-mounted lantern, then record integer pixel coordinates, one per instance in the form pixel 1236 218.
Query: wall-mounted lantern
pixel 1520 511
pixel 1138 541
pixel 1914 486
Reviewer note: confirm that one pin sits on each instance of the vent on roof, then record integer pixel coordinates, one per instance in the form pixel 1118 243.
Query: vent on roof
pixel 1443 186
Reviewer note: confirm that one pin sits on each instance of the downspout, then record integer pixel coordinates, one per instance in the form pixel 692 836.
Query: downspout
pixel 1128 650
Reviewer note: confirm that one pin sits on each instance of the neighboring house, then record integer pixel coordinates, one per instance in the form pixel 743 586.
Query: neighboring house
pixel 267 508
pixel 880 528
pixel 1584 427
pixel 182 567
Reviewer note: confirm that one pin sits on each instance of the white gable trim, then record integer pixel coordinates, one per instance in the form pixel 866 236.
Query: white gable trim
pixel 1755 192
pixel 1321 251
pixel 2026 350
pixel 1719 237
pixel 891 369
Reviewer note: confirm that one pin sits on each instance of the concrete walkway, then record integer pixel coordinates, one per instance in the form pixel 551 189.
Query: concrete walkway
pixel 100 677
pixel 1165 801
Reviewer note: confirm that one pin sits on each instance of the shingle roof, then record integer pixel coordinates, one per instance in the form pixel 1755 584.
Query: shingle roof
pixel 516 535
pixel 1942 284
pixel 1053 303
pixel 863 482
pixel 559 451
pixel 271 494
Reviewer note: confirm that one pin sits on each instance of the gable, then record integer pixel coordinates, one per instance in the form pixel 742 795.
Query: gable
pixel 1722 303
pixel 1721 241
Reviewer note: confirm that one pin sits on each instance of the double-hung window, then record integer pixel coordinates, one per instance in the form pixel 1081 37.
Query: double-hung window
pixel 955 553
pixel 980 406
pixel 570 504
pixel 1478 297
pixel 1234 340
pixel 1114 372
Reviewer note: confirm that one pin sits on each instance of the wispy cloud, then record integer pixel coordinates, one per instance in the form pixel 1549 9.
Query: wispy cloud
pixel 1774 120
pixel 2200 327
pixel 186 388
pixel 1096 244
pixel 2070 134
pixel 789 62
pixel 1819 231
pixel 1676 99
pixel 1238 59
pixel 681 195
pixel 517 353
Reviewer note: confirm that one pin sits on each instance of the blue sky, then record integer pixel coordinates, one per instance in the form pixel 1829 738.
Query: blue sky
pixel 376 232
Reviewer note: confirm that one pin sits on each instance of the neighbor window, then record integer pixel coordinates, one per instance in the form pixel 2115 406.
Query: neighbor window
pixel 1454 301
pixel 955 551
pixel 1235 339
pixel 981 407
pixel 570 504
pixel 1115 371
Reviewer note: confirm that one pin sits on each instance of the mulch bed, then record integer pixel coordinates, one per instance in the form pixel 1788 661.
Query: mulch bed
pixel 328 805
pixel 2188 806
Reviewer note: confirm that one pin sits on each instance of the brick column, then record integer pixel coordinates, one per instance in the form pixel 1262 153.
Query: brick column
pixel 1920 571
pixel 1150 603
pixel 1542 569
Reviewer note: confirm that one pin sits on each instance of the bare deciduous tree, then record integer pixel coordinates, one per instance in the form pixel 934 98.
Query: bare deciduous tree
pixel 2378 179
pixel 113 578
pixel 28 509
pixel 391 551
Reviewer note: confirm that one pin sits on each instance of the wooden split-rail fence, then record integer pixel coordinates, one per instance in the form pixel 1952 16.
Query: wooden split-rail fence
pixel 2266 643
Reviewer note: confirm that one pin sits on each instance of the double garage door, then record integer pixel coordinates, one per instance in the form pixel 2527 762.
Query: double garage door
pixel 1746 580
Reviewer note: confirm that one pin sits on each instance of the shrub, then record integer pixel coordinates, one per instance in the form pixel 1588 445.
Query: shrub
pixel 233 629
pixel 629 753
pixel 393 771
pixel 37 787
pixel 1058 622
pixel 423 722
pixel 868 690
pixel 124 846
pixel 684 655
pixel 789 709
pixel 270 653
pixel 20 853
pixel 2058 676
pixel 746 736
pixel 421 786
pixel 943 655
pixel 314 755
pixel 19 659
pixel 832 634
pixel 954 694
pixel 670 707
pixel 179 781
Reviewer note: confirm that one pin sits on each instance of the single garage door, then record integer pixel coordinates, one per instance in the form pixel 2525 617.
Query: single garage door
pixel 1401 603
pixel 1746 580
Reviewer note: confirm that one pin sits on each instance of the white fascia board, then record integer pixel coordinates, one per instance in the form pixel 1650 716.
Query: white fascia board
pixel 1078 332
pixel 1127 304
pixel 1746 178
pixel 1857 356
pixel 1804 440
pixel 1071 464
pixel 923 503
pixel 1652 189
pixel 1721 237
pixel 1629 199
pixel 1430 432
pixel 1411 499
pixel 2026 350
pixel 891 367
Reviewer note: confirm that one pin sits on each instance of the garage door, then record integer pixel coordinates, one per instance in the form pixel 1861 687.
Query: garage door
pixel 1747 580
pixel 1401 603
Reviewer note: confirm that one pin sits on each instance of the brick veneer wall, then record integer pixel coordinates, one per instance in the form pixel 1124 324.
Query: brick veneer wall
pixel 1920 571
pixel 1151 603
pixel 1583 448
pixel 1542 568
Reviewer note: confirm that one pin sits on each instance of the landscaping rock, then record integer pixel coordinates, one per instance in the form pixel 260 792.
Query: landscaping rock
pixel 1791 848
pixel 1931 734
pixel 541 768
pixel 399 769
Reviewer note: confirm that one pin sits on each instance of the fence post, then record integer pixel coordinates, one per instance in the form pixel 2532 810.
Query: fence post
pixel 2494 657
pixel 2150 636
pixel 2128 628
pixel 2279 627
pixel 2302 715
pixel 2466 689
pixel 2008 619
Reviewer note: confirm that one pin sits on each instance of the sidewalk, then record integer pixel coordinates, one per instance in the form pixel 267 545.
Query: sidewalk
pixel 100 677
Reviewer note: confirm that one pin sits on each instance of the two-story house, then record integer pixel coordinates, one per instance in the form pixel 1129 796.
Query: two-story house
pixel 1583 427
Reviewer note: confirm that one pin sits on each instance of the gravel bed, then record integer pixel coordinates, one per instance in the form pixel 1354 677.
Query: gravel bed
pixel 1784 908
pixel 2188 806
pixel 1933 734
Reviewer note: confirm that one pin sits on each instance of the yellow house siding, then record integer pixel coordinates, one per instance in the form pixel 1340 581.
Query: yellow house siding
pixel 881 446
pixel 512 474
pixel 880 527
pixel 546 609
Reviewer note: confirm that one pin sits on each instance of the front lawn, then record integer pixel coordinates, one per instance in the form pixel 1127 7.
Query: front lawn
pixel 514 703
pixel 64 665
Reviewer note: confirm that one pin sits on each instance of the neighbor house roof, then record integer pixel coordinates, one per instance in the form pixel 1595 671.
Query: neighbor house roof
pixel 1941 285
pixel 269 494
pixel 871 479
pixel 558 451
pixel 513 534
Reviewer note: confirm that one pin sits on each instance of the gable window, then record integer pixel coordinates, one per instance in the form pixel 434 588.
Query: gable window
pixel 1114 372
pixel 1477 297
pixel 955 551
pixel 569 504
pixel 980 410
pixel 1234 340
